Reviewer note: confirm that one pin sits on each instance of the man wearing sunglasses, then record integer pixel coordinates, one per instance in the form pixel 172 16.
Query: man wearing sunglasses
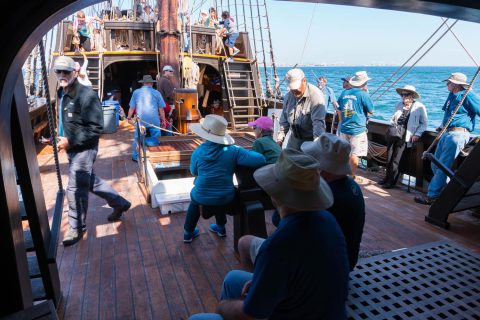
pixel 82 119
pixel 303 111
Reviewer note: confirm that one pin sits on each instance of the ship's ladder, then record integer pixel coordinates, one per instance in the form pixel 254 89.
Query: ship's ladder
pixel 243 96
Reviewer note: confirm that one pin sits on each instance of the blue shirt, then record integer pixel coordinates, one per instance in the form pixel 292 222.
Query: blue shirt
pixel 354 104
pixel 147 101
pixel 465 116
pixel 349 211
pixel 329 96
pixel 214 164
pixel 301 270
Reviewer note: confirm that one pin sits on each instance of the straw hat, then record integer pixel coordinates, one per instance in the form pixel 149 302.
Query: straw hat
pixel 295 181
pixel 147 78
pixel 360 78
pixel 410 90
pixel 331 152
pixel 213 128
pixel 458 78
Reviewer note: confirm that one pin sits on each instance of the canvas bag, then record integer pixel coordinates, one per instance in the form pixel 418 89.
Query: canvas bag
pixel 396 132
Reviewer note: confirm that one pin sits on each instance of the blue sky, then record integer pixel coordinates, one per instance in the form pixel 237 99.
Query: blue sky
pixel 361 36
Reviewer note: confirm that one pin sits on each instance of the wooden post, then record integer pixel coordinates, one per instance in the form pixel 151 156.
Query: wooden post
pixel 168 37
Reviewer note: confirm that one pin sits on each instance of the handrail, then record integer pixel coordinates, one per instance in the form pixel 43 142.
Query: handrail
pixel 55 229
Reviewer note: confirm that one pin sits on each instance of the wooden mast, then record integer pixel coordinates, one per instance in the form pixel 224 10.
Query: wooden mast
pixel 168 37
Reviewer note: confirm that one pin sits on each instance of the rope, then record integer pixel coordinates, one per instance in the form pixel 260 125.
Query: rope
pixel 378 152
pixel 403 65
pixel 445 126
pixel 461 44
pixel 160 128
pixel 413 65
pixel 50 117
pixel 308 33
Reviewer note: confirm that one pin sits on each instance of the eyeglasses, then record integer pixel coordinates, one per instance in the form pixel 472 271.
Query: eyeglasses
pixel 405 95
pixel 65 72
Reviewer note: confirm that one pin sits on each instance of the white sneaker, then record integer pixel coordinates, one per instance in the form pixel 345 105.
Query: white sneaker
pixel 229 60
pixel 235 52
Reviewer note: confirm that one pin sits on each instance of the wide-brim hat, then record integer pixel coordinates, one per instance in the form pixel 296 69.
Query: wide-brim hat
pixel 331 152
pixel 410 90
pixel 295 181
pixel 359 79
pixel 213 128
pixel 458 78
pixel 147 78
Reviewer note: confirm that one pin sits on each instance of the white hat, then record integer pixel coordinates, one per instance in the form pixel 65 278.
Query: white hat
pixel 64 63
pixel 294 78
pixel 458 78
pixel 168 68
pixel 213 128
pixel 359 79
pixel 295 181
pixel 332 153
pixel 408 89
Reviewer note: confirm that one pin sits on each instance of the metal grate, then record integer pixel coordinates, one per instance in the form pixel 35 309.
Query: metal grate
pixel 434 281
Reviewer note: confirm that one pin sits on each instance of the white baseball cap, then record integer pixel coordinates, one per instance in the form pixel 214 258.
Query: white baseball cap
pixel 294 78
pixel 168 68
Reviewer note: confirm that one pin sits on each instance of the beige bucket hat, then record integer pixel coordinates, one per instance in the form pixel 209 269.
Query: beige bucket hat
pixel 408 89
pixel 213 128
pixel 331 152
pixel 359 78
pixel 295 181
pixel 458 78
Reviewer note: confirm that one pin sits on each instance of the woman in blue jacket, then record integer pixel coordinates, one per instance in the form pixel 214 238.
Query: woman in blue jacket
pixel 213 163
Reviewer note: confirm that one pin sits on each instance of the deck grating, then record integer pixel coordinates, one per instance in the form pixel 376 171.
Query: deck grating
pixel 439 280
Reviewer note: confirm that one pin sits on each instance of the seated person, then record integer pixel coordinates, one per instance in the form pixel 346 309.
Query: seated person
pixel 213 164
pixel 264 144
pixel 301 271
pixel 229 32
pixel 332 154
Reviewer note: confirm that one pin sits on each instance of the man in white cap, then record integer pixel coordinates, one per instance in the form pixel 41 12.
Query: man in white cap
pixel 301 270
pixel 167 90
pixel 82 120
pixel 457 134
pixel 148 105
pixel 303 111
pixel 354 106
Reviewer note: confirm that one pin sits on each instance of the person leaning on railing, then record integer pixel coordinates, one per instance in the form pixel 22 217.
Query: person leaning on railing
pixel 411 116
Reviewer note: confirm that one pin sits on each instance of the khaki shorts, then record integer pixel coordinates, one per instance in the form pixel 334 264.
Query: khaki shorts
pixel 358 142
pixel 255 247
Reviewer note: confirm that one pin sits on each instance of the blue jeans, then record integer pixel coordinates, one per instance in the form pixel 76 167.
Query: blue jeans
pixel 151 139
pixel 81 181
pixel 193 215
pixel 448 149
pixel 231 290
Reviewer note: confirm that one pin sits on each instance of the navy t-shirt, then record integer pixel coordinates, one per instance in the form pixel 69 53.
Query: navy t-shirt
pixel 354 104
pixel 349 211
pixel 301 270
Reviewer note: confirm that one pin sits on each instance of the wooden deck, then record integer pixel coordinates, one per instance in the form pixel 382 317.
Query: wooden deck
pixel 140 268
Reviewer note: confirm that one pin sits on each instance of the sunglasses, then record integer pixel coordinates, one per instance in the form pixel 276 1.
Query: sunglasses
pixel 65 72
pixel 405 95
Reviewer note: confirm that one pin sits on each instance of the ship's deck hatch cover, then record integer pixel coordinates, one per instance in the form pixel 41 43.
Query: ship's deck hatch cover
pixel 438 280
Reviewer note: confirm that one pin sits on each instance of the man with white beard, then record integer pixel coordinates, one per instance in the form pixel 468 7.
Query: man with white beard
pixel 82 120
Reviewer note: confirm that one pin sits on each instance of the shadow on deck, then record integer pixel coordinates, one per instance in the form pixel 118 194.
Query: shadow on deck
pixel 140 268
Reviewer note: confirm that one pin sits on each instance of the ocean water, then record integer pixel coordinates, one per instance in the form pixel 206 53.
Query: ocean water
pixel 427 81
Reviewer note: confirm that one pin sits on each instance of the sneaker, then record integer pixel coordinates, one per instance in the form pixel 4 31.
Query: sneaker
pixel 229 60
pixel 189 236
pixel 220 231
pixel 424 200
pixel 72 236
pixel 118 212
pixel 235 52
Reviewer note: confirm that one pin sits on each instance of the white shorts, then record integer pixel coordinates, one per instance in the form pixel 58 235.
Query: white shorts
pixel 358 142
pixel 255 247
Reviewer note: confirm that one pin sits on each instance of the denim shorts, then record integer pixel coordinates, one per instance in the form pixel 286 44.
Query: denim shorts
pixel 230 41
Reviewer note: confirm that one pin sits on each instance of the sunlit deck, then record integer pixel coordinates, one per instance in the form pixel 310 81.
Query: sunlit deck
pixel 140 268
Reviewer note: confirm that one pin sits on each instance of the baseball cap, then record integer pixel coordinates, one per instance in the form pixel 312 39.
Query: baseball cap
pixel 64 63
pixel 168 68
pixel 264 123
pixel 294 78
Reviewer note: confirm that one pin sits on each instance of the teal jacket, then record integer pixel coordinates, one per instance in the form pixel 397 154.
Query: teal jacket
pixel 214 164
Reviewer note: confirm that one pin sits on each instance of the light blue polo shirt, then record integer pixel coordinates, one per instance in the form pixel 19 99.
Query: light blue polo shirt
pixel 147 101
pixel 354 104
pixel 329 96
